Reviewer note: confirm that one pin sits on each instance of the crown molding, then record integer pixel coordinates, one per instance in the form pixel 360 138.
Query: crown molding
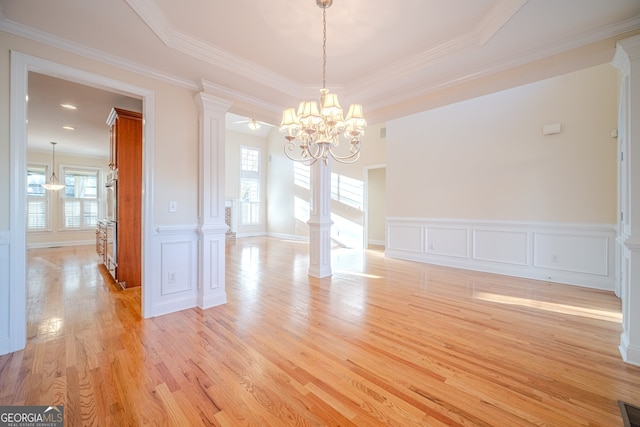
pixel 226 93
pixel 369 89
pixel 94 54
pixel 501 12
pixel 490 24
pixel 631 48
pixel 153 17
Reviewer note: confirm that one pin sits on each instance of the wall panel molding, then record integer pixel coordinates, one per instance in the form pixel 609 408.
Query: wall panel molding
pixel 175 255
pixel 5 331
pixel 571 253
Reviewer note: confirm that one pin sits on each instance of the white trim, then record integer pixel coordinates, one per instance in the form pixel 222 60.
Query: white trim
pixel 21 65
pixel 180 230
pixel 42 245
pixel 630 354
pixel 52 40
pixel 535 250
pixel 283 236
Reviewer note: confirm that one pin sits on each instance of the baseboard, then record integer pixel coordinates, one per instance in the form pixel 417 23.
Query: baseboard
pixel 630 354
pixel 293 237
pixel 173 305
pixel 60 244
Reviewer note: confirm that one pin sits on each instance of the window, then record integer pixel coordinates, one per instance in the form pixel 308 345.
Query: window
pixel 347 190
pixel 302 175
pixel 249 186
pixel 80 203
pixel 37 200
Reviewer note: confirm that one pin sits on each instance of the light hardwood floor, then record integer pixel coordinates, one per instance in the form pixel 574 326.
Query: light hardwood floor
pixel 381 342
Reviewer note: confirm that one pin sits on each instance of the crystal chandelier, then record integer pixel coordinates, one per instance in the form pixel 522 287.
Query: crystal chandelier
pixel 53 184
pixel 317 132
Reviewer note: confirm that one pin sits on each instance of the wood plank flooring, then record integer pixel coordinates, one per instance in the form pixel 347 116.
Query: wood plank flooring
pixel 381 342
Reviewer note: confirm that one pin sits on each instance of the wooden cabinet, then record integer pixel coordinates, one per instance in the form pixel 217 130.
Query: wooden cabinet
pixel 126 152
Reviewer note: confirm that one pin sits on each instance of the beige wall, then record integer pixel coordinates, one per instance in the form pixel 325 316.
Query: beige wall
pixel 376 205
pixel 175 142
pixel 486 158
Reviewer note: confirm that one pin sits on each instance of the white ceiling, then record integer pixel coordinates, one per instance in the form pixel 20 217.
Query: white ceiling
pixel 90 136
pixel 390 56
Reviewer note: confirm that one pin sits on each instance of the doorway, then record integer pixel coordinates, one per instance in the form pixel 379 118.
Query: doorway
pixel 21 65
pixel 375 206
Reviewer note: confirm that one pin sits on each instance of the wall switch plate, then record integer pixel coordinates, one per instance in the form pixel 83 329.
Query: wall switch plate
pixel 173 206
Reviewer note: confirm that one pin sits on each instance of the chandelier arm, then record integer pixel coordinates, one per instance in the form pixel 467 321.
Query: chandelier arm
pixel 351 158
pixel 290 146
pixel 308 161
pixel 319 150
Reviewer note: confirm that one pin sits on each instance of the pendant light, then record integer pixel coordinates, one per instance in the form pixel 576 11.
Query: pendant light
pixel 53 184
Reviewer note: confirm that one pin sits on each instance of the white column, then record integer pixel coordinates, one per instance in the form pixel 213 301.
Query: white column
pixel 627 60
pixel 320 220
pixel 211 219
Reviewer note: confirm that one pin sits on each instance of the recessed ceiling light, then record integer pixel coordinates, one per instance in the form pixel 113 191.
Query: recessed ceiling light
pixel 68 127
pixel 69 106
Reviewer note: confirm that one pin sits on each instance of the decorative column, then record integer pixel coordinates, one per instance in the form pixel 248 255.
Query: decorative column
pixel 320 220
pixel 211 219
pixel 627 60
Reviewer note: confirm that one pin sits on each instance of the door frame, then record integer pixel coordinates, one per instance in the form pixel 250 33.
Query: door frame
pixel 21 65
pixel 365 228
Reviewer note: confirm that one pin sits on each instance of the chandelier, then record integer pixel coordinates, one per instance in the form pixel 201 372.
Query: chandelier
pixel 317 132
pixel 53 184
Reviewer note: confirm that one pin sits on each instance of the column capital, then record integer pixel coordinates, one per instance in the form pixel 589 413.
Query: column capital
pixel 212 104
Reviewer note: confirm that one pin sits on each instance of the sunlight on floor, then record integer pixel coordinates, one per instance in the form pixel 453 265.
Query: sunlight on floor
pixel 593 313
pixel 359 274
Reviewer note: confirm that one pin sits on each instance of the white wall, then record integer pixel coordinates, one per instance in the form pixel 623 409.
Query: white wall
pixel 487 158
pixel 477 185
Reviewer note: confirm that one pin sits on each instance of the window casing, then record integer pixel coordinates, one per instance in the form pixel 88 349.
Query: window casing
pixel 80 198
pixel 38 202
pixel 250 184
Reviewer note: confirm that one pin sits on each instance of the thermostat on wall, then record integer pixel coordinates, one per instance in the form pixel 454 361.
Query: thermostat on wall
pixel 551 129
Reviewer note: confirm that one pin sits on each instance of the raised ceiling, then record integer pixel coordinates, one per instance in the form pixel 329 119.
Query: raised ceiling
pixel 390 56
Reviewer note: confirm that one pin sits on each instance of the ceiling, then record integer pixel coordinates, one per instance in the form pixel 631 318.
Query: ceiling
pixel 90 136
pixel 390 56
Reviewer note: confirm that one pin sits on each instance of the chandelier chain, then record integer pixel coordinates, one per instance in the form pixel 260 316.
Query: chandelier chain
pixel 324 47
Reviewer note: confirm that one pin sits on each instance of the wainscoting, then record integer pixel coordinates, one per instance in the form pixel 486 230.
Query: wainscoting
pixel 575 254
pixel 176 269
pixel 5 293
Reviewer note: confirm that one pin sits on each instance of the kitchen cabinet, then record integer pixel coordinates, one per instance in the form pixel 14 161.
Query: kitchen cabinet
pixel 126 162
pixel 106 245
pixel 101 241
